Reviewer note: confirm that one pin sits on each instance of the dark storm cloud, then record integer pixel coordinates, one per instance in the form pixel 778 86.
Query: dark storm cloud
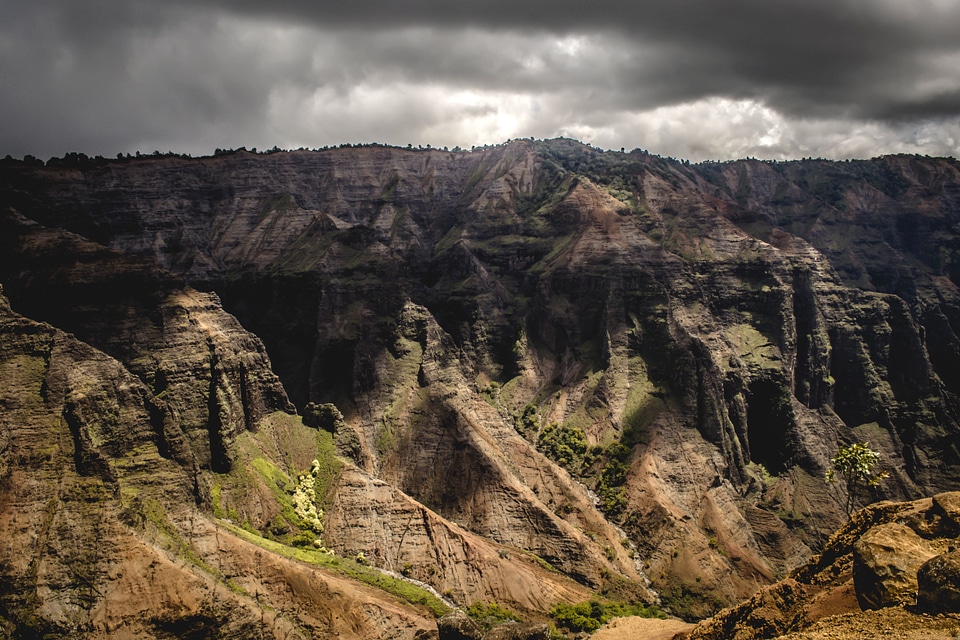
pixel 857 57
pixel 784 77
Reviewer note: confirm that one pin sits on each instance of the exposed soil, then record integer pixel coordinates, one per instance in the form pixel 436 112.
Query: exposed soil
pixel 633 628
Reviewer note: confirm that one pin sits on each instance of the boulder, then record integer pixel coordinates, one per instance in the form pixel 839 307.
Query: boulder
pixel 938 581
pixel 519 631
pixel 947 506
pixel 458 626
pixel 885 564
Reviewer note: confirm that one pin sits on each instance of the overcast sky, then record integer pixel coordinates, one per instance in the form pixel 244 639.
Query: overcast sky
pixel 695 79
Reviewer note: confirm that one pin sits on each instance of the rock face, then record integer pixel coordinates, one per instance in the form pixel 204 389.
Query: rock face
pixel 457 626
pixel 768 614
pixel 885 564
pixel 103 534
pixel 519 631
pixel 867 572
pixel 939 584
pixel 632 368
pixel 397 533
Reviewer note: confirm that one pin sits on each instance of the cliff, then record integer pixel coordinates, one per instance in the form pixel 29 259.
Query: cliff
pixel 630 367
pixel 102 534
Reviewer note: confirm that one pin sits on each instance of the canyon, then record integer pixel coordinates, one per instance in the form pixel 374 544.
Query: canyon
pixel 527 374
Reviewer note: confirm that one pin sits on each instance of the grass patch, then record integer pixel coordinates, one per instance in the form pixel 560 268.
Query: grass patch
pixel 491 614
pixel 755 348
pixel 350 568
pixel 386 440
pixel 215 500
pixel 280 487
pixel 154 512
pixel 560 246
pixel 330 465
pixel 543 564
pixel 274 457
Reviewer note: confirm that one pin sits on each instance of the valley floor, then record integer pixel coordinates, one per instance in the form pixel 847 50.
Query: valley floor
pixel 633 628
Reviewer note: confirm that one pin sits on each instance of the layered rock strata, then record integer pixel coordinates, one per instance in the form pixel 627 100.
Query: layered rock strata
pixel 506 329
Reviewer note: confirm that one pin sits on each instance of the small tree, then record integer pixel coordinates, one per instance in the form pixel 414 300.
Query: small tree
pixel 854 466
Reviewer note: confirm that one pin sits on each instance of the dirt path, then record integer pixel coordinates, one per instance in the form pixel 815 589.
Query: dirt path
pixel 631 628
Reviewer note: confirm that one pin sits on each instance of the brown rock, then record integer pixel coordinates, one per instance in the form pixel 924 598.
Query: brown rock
pixel 396 531
pixel 947 506
pixel 772 612
pixel 519 631
pixel 939 584
pixel 885 563
pixel 458 626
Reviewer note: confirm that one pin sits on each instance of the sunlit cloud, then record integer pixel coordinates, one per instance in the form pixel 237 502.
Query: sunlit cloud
pixel 846 78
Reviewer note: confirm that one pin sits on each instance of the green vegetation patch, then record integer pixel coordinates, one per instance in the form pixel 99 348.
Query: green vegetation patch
pixel 565 445
pixel 561 245
pixel 613 498
pixel 491 614
pixel 756 349
pixel 645 401
pixel 528 422
pixel 27 373
pixel 280 487
pixel 350 568
pixel 592 614
pixel 278 455
pixel 276 203
pixel 689 602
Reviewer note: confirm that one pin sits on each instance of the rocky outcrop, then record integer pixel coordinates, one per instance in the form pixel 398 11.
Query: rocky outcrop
pixel 519 631
pixel 393 531
pixel 768 614
pixel 214 375
pixel 872 563
pixel 454 453
pixel 103 534
pixel 939 584
pixel 457 626
pixel 885 563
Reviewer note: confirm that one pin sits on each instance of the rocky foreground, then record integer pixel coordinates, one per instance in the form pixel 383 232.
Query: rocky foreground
pixel 893 570
pixel 340 393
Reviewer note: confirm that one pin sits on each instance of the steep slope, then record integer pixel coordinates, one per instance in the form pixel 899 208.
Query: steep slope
pixel 692 343
pixel 867 563
pixel 102 535
pixel 211 405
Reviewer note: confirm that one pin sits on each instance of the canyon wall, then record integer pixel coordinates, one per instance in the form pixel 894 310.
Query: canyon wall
pixel 617 370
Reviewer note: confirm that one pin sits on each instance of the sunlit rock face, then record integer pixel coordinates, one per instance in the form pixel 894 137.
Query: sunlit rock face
pixel 633 368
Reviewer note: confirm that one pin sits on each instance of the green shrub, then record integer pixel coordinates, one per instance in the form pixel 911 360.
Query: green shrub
pixel 593 614
pixel 613 499
pixel 854 466
pixel 529 420
pixel 563 444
